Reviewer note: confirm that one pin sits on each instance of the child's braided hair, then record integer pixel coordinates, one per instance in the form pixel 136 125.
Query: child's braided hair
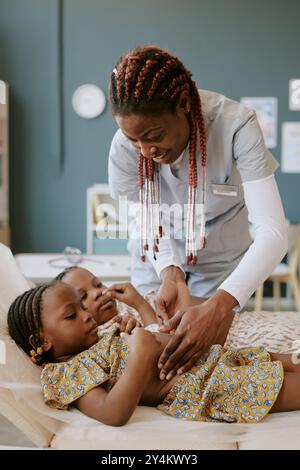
pixel 61 276
pixel 24 322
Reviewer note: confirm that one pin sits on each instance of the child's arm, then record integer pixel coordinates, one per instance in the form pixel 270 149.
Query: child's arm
pixel 115 407
pixel 147 313
pixel 126 293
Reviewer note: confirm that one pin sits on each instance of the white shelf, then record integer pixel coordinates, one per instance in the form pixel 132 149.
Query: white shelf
pixel 91 227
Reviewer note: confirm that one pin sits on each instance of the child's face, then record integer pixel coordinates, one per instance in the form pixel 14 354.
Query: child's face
pixel 90 289
pixel 67 329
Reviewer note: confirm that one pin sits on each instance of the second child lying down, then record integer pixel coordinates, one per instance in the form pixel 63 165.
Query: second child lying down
pixel 107 377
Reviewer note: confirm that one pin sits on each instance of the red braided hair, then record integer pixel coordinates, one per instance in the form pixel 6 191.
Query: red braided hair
pixel 151 80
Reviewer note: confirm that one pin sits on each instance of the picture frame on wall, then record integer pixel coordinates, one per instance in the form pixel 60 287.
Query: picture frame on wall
pixel 267 115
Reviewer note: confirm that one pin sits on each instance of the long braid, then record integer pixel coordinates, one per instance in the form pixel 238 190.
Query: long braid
pixel 24 321
pixel 149 80
pixel 196 105
pixel 143 237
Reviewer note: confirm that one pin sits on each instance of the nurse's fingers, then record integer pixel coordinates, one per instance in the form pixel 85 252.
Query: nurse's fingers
pixel 188 365
pixel 171 355
pixel 184 364
pixel 161 308
pixel 172 345
pixel 188 360
pixel 172 323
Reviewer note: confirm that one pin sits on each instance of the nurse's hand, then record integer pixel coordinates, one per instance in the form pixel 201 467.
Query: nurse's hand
pixel 197 328
pixel 173 294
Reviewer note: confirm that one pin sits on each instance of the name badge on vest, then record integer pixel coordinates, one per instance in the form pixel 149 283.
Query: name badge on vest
pixel 224 190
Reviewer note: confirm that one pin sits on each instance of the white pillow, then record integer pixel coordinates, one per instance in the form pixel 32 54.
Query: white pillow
pixel 12 284
pixel 18 371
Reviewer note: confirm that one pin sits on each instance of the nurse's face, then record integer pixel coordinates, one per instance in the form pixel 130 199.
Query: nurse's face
pixel 160 137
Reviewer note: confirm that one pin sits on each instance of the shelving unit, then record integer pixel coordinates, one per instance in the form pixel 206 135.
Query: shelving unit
pixel 4 152
pixel 105 234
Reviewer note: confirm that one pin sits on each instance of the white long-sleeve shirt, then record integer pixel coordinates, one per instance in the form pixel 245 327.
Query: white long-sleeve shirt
pixel 269 229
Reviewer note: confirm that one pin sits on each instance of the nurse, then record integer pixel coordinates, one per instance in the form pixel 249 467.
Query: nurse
pixel 196 157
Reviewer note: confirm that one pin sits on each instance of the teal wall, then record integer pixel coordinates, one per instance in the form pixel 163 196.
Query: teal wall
pixel 236 47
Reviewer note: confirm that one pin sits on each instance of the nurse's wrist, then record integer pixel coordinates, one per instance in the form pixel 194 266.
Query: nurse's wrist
pixel 173 273
pixel 223 302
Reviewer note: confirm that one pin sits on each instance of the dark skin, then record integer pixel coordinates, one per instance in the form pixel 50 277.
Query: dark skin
pixel 67 330
pixel 163 137
pixel 67 327
pixel 93 298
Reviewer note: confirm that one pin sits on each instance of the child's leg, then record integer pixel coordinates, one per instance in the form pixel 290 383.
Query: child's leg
pixel 289 395
pixel 287 361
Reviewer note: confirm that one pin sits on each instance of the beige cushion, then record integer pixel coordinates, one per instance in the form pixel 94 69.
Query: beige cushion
pixel 279 431
pixel 284 441
pixel 149 429
pixel 22 417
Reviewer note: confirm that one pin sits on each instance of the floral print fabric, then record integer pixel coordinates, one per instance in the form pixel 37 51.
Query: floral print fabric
pixel 230 385
pixel 226 385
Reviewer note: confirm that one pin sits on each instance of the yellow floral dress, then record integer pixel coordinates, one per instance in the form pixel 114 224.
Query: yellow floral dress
pixel 103 363
pixel 227 385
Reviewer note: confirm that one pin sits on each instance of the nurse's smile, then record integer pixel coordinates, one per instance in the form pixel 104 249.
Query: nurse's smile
pixel 157 155
pixel 162 137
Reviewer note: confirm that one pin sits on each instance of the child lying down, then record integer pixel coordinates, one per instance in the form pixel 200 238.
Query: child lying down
pixel 277 333
pixel 107 377
pixel 93 298
pixel 105 310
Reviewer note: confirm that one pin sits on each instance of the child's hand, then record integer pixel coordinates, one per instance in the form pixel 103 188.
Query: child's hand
pixel 127 323
pixel 142 342
pixel 126 293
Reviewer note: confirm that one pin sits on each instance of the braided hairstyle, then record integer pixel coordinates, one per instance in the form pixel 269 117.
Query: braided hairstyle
pixel 24 322
pixel 66 271
pixel 149 80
